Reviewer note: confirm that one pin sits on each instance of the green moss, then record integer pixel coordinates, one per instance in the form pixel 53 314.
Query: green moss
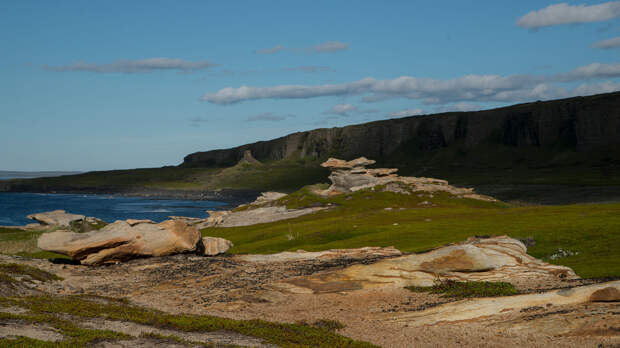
pixel 74 335
pixel 451 288
pixel 25 270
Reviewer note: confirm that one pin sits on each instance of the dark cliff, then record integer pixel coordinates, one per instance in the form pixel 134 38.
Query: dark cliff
pixel 579 125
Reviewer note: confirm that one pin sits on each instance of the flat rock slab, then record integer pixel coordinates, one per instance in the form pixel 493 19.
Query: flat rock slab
pixel 287 256
pixel 489 259
pixel 121 241
pixel 476 308
pixel 263 215
pixel 56 218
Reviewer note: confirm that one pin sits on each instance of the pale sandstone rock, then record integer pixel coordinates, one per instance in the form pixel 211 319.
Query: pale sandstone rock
pixel 120 241
pixel 286 256
pixel 263 215
pixel 351 176
pixel 133 222
pixel 56 218
pixel 491 259
pixel 476 308
pixel 215 246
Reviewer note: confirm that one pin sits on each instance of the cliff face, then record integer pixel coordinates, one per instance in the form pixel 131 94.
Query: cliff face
pixel 580 123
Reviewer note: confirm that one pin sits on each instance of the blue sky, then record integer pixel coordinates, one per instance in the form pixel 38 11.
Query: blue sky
pixel 122 84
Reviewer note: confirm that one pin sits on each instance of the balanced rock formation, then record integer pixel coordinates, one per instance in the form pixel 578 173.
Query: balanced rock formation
pixel 477 259
pixel 351 176
pixel 121 240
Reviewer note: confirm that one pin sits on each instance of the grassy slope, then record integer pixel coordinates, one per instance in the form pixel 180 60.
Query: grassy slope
pixel 285 175
pixel 359 219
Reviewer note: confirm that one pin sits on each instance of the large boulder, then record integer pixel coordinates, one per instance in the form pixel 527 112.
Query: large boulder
pixel 121 240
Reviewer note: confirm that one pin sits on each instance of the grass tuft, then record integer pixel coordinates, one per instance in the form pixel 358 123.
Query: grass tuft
pixel 460 290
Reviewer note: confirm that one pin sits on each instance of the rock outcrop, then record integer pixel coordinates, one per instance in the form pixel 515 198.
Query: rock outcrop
pixel 477 259
pixel 60 218
pixel 257 216
pixel 121 240
pixel 56 218
pixel 351 176
pixel 331 254
pixel 476 308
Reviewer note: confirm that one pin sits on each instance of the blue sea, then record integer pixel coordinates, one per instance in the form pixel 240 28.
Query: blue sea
pixel 14 207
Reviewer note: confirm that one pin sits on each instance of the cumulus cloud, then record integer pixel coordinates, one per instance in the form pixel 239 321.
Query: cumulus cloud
pixel 459 107
pixel 468 88
pixel 607 44
pixel 268 116
pixel 564 13
pixel 136 66
pixel 342 109
pixel 309 68
pixel 406 112
pixel 331 46
pixel 271 50
pixel 591 71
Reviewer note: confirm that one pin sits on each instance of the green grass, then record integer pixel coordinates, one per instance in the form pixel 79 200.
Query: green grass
pixel 286 335
pixel 359 219
pixel 24 243
pixel 460 290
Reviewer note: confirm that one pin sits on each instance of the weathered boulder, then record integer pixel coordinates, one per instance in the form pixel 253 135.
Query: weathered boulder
pixel 120 241
pixel 215 246
pixel 351 176
pixel 56 218
pixel 488 259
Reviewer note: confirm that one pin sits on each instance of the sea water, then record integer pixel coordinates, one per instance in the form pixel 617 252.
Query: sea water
pixel 14 207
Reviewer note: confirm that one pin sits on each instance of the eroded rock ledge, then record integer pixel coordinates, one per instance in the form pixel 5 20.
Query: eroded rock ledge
pixel 351 176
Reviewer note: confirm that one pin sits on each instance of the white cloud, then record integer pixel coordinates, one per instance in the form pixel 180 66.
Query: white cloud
pixel 469 88
pixel 459 107
pixel 564 13
pixel 325 47
pixel 342 109
pixel 607 44
pixel 271 50
pixel 309 68
pixel 331 46
pixel 268 116
pixel 135 66
pixel 591 71
pixel 406 112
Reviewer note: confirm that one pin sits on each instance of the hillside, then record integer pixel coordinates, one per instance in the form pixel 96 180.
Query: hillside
pixel 569 148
